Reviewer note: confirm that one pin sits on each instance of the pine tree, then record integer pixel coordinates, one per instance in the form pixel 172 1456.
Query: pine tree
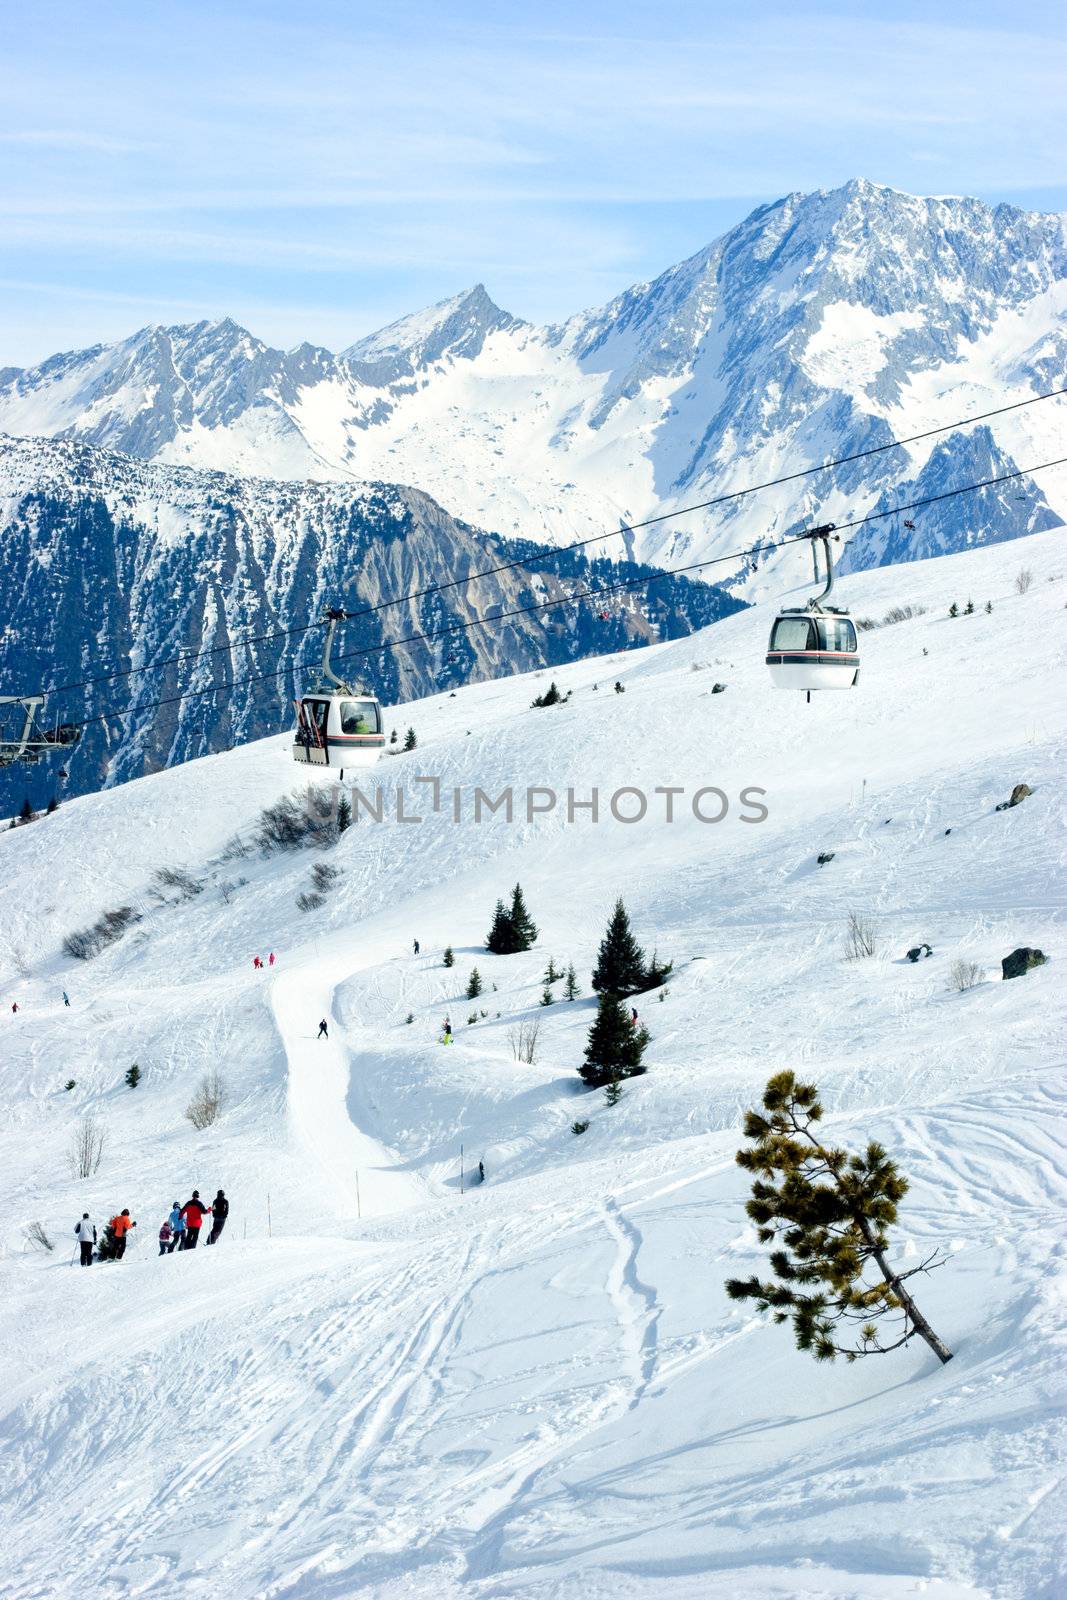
pixel 620 966
pixel 830 1212
pixel 500 938
pixel 615 1047
pixel 474 984
pixel 133 1076
pixel 53 805
pixel 552 972
pixel 551 697
pixel 619 688
pixel 968 608
pixel 27 813
pixel 344 813
pixel 523 925
pixel 989 608
pixel 410 740
pixel 546 996
pixel 613 1092
pixel 572 988
pixel 953 610
pixel 657 972
pixel 448 959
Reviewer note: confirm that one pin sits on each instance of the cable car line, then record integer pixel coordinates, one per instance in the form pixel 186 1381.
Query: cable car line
pixel 548 605
pixel 549 553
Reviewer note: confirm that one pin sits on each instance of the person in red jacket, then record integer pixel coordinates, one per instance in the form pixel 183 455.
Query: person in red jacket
pixel 193 1213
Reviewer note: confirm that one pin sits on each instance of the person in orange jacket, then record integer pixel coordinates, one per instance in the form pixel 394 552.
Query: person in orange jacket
pixel 120 1227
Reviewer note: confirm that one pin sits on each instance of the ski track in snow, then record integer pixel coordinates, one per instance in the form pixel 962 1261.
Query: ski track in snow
pixel 538 1390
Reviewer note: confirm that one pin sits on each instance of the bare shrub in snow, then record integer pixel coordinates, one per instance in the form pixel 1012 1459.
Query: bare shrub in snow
pixel 87 1145
pixel 173 885
pixel 524 1039
pixel 965 975
pixel 297 822
pixel 209 1101
pixel 1023 579
pixel 324 877
pixel 37 1237
pixel 902 614
pixel 861 937
pixel 309 901
pixel 235 849
pixel 85 943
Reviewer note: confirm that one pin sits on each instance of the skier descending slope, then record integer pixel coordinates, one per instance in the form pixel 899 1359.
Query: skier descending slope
pixel 324 1032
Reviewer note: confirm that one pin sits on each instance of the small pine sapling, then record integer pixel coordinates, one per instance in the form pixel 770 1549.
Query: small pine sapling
pixel 613 1092
pixel 410 1018
pixel 572 988
pixel 448 959
pixel 826 1212
pixel 410 740
pixel 579 1127
pixel 70 1084
pixel 393 737
pixel 968 609
pixel 989 608
pixel 546 996
pixel 552 972
pixel 474 984
pixel 133 1076
pixel 953 610
pixel 619 688
pixel 344 813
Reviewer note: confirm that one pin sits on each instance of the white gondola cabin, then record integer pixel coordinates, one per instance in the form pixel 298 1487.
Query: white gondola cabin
pixel 338 726
pixel 814 647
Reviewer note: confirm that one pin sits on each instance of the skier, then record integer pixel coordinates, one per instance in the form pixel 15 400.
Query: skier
pixel 14 1006
pixel 633 1016
pixel 324 1032
pixel 256 963
pixel 481 1172
pixel 66 998
pixel 85 1232
pixel 194 1211
pixel 270 959
pixel 177 1228
pixel 220 1210
pixel 166 1238
pixel 415 945
pixel 120 1227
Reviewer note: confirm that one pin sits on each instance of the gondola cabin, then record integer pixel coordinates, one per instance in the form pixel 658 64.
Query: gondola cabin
pixel 813 650
pixel 338 726
pixel 338 731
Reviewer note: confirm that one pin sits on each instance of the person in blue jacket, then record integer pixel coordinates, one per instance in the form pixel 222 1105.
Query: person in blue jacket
pixel 177 1228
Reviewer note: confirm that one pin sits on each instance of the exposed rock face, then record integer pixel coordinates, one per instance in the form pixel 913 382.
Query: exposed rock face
pixel 108 564
pixel 1021 961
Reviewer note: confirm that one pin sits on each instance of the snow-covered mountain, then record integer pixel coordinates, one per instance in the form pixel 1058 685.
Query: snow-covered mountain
pixel 108 564
pixel 822 325
pixel 382 1383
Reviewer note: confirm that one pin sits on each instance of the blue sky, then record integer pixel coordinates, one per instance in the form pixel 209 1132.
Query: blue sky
pixel 317 168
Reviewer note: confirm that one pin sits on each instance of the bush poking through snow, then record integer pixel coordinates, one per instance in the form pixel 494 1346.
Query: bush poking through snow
pixel 578 1127
pixel 209 1101
pixel 133 1076
pixel 173 885
pixel 306 820
pixel 87 1145
pixel 324 877
pixel 861 937
pixel 1023 580
pixel 308 900
pixel 825 1213
pixel 524 1039
pixel 965 975
pixel 86 943
pixel 37 1237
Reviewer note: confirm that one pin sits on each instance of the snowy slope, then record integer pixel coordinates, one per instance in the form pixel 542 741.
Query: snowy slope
pixel 538 1388
pixel 822 325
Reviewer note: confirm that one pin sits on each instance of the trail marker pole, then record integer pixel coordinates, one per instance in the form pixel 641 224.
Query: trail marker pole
pixel 359 1208
pixel 461 1169
pixel 269 1234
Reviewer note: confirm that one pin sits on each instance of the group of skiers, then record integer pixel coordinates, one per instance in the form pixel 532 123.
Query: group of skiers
pixel 259 964
pixel 180 1230
pixel 15 1007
